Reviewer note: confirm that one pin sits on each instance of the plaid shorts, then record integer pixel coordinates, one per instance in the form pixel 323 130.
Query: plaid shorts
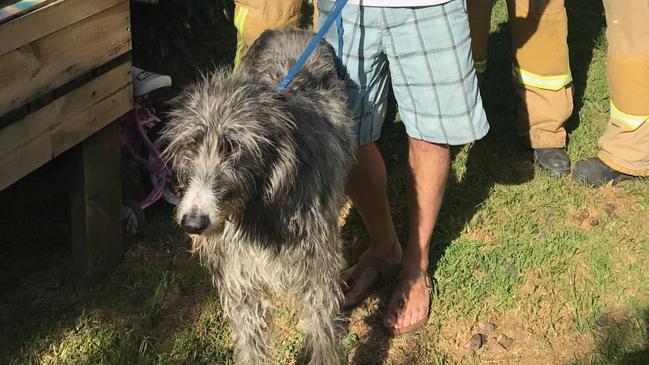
pixel 426 52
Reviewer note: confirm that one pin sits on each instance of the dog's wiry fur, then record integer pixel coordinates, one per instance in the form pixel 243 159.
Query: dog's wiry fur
pixel 268 169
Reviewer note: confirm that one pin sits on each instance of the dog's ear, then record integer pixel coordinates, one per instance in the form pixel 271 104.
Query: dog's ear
pixel 180 138
pixel 282 173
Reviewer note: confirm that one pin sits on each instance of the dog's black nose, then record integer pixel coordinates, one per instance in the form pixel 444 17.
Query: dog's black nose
pixel 194 223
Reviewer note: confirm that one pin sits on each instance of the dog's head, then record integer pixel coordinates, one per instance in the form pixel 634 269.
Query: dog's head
pixel 229 141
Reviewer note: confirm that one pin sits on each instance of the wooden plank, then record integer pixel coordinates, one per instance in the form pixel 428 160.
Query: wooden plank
pixel 96 197
pixel 73 108
pixel 34 69
pixel 16 166
pixel 72 132
pixel 49 131
pixel 49 19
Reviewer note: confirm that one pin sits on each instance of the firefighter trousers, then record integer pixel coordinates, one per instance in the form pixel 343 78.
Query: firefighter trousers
pixel 253 17
pixel 540 69
pixel 625 143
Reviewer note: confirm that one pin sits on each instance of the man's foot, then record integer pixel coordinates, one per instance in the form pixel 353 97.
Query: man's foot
pixel 595 173
pixel 554 161
pixel 410 303
pixel 373 268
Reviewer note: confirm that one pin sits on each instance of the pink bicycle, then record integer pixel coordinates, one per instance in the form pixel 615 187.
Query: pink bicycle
pixel 136 128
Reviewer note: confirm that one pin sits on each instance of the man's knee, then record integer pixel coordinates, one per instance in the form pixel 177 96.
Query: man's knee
pixel 422 146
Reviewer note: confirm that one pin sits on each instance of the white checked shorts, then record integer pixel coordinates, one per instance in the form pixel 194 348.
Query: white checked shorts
pixel 426 53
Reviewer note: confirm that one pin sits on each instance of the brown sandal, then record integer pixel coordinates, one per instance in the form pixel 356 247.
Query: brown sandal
pixel 385 272
pixel 406 281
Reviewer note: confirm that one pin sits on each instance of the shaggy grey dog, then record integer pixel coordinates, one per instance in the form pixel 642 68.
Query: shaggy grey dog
pixel 264 173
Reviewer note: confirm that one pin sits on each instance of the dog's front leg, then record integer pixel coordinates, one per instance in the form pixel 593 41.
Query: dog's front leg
pixel 321 319
pixel 248 309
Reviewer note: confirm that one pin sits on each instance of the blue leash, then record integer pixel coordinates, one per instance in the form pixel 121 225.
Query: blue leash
pixel 335 15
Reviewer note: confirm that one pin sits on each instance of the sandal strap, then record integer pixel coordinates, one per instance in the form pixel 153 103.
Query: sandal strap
pixel 412 277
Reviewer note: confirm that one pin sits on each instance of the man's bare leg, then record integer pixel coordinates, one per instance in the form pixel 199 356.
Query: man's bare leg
pixel 428 166
pixel 367 187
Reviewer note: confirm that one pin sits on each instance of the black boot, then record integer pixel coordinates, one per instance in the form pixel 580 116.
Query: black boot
pixel 555 161
pixel 595 173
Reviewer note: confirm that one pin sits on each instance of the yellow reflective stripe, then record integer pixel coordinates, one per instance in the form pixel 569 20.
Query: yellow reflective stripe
pixel 629 120
pixel 480 66
pixel 239 21
pixel 553 83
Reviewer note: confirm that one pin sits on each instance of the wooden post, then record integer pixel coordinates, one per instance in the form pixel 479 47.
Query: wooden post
pixel 96 202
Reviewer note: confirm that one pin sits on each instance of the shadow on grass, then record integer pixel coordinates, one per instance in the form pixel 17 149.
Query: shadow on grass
pixel 623 340
pixel 34 225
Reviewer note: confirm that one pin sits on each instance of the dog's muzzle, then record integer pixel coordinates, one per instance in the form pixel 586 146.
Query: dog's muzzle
pixel 194 222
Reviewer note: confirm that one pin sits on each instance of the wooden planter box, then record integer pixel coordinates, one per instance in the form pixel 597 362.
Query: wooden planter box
pixel 65 76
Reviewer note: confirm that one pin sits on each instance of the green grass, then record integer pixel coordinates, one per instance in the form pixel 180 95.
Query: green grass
pixel 558 267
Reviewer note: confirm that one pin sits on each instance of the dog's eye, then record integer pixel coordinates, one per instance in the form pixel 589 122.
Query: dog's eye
pixel 228 195
pixel 227 148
